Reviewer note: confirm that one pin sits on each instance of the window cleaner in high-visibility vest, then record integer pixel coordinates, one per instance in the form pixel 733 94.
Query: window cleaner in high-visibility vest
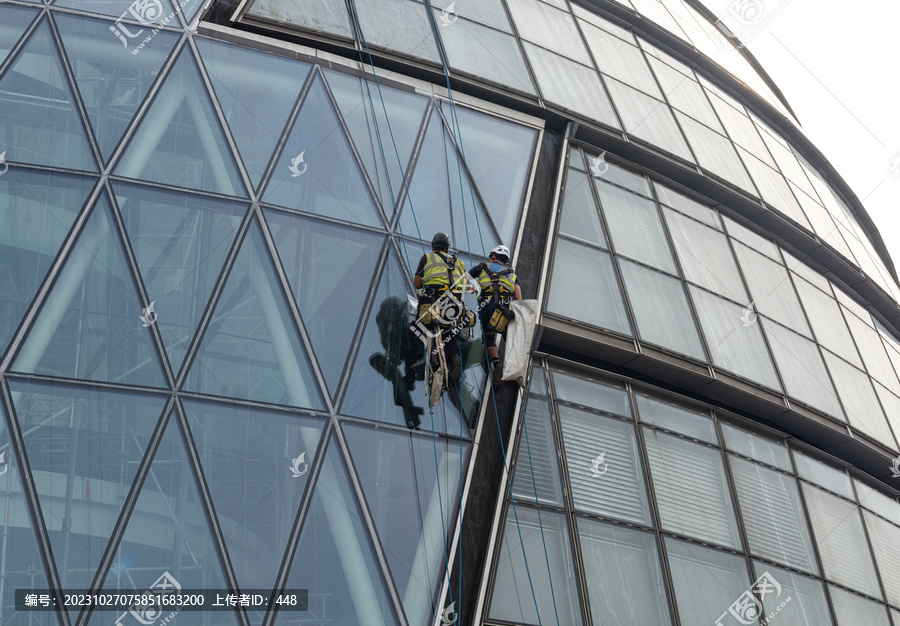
pixel 499 285
pixel 441 279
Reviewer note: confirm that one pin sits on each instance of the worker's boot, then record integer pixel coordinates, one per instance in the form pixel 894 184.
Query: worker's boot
pixel 496 373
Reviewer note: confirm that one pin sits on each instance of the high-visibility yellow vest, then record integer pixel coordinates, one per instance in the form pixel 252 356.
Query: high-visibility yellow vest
pixel 438 271
pixel 506 282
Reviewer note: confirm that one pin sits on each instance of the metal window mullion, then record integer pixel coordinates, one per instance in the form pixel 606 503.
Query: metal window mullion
pixel 656 520
pixel 370 527
pixel 128 505
pixel 381 267
pixel 32 502
pixel 287 130
pixel 465 172
pixel 24 38
pixel 293 308
pixel 219 286
pixel 287 559
pixel 149 98
pixel 212 97
pixel 367 181
pixel 819 348
pixel 665 101
pixel 762 332
pixel 69 76
pixel 519 41
pixel 868 538
pixel 137 279
pixel 65 251
pixel 680 274
pixel 415 154
pixel 626 301
pixel 814 540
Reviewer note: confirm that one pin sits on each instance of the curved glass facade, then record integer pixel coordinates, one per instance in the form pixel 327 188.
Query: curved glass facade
pixel 629 505
pixel 211 216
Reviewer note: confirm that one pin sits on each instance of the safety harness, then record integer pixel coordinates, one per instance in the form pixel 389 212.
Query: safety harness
pixel 500 296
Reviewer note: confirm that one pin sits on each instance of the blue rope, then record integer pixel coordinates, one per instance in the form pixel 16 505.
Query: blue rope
pixel 493 395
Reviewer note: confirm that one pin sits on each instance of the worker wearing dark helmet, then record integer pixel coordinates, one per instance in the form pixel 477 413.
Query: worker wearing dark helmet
pixel 499 285
pixel 441 279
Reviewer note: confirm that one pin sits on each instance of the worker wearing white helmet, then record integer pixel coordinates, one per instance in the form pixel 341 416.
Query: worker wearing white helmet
pixel 499 285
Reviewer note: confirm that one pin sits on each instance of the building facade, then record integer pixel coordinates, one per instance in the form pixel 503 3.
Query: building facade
pixel 211 215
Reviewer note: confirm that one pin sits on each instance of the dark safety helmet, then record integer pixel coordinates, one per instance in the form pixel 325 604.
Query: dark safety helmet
pixel 441 241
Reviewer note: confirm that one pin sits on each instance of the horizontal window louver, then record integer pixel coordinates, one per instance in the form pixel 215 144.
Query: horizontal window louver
pixel 604 471
pixel 691 492
pixel 543 459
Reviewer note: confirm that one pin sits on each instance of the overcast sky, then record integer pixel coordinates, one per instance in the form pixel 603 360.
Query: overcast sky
pixel 837 65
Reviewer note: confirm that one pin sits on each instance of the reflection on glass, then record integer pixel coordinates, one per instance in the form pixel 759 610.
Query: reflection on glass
pixel 401 25
pixel 690 423
pixel 180 141
pixel 37 109
pixel 511 598
pixel 853 610
pixel 807 607
pixel 885 538
pixel 256 91
pixel 316 171
pixel 90 325
pixel 112 81
pixel 256 465
pixel 583 286
pixel 383 385
pixel 706 581
pixel 412 489
pixel 363 104
pixel 579 218
pixel 180 241
pixel 842 541
pixel 330 270
pixel 36 210
pixel 168 539
pixel 15 20
pixel 251 348
pixel 756 447
pixel 334 558
pixel 591 393
pixel 632 594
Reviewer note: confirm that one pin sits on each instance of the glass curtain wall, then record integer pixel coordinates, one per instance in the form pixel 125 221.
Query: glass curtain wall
pixel 627 502
pixel 205 372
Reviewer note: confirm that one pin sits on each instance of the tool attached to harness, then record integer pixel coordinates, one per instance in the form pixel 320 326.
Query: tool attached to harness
pixel 500 297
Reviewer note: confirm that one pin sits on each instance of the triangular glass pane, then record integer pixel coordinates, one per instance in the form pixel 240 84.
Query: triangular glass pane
pixel 413 507
pixel 179 141
pixel 15 21
pixel 436 202
pixel 180 241
pixel 499 155
pixel 580 219
pixel 251 348
pixel 36 212
pixel 394 396
pixel 84 447
pixel 39 122
pixel 256 91
pixel 316 171
pixel 256 464
pixel 334 559
pixel 372 134
pixel 167 534
pixel 112 81
pixel 20 560
pixel 330 269
pixel 90 324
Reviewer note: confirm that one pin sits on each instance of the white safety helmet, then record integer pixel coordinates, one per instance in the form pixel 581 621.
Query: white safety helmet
pixel 502 252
